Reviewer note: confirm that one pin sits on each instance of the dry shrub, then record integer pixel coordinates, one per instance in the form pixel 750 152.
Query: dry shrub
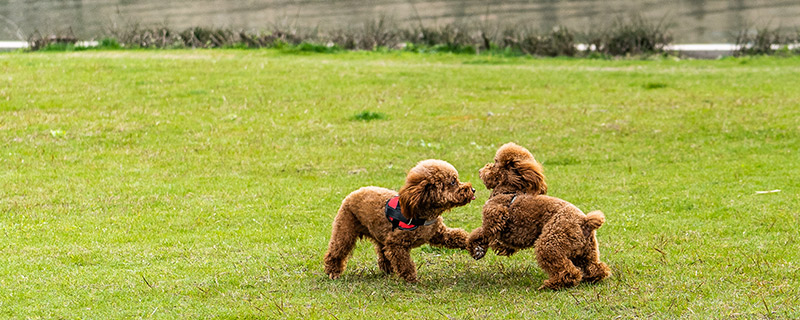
pixel 559 42
pixel 37 41
pixel 631 37
pixel 449 37
pixel 766 41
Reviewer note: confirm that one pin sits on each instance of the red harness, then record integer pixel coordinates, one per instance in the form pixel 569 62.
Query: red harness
pixel 395 216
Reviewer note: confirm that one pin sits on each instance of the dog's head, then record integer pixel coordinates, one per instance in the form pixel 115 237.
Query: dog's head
pixel 514 169
pixel 431 188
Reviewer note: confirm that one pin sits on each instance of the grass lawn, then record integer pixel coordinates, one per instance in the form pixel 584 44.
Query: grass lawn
pixel 194 184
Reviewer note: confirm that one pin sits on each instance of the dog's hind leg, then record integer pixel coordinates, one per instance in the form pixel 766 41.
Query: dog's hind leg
pixel 343 239
pixel 596 271
pixel 553 260
pixel 593 269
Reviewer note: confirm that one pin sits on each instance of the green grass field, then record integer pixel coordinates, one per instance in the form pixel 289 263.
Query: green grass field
pixel 194 184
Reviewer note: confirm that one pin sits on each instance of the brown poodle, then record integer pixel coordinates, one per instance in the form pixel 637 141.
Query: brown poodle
pixel 519 215
pixel 397 222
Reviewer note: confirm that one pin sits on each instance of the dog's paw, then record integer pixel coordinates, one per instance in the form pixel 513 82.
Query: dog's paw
pixel 547 285
pixel 386 268
pixel 478 252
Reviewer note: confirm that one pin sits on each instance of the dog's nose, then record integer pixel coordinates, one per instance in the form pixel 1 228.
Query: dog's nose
pixel 473 190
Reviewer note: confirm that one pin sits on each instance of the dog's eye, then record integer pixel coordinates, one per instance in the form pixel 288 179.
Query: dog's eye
pixel 452 183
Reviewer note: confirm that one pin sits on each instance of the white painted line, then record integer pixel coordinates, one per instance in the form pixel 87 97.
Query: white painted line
pixel 24 44
pixel 13 44
pixel 702 47
pixel 87 43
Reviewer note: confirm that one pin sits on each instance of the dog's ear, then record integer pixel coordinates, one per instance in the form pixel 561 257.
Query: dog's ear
pixel 529 177
pixel 413 195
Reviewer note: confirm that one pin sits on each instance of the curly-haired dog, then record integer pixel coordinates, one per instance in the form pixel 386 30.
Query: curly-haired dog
pixel 397 222
pixel 519 215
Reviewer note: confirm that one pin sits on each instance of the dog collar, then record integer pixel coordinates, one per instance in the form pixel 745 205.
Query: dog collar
pixel 514 198
pixel 395 216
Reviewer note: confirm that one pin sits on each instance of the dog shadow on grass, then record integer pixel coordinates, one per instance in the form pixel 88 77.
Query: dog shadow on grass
pixel 448 269
pixel 477 278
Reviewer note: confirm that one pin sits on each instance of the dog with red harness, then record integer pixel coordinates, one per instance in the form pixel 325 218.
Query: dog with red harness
pixel 396 222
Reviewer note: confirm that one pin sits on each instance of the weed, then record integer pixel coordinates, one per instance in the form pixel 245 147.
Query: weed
pixel 766 41
pixel 58 133
pixel 368 116
pixel 109 44
pixel 58 46
pixel 311 47
pixel 655 85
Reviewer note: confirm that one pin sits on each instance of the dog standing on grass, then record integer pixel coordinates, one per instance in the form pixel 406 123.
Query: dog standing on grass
pixel 519 215
pixel 396 222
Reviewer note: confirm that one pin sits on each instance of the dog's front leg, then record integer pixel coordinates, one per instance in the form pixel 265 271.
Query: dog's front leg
pixel 494 217
pixel 452 238
pixel 477 243
pixel 501 249
pixel 400 258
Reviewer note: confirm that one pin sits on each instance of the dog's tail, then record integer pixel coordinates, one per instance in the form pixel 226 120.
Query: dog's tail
pixel 593 220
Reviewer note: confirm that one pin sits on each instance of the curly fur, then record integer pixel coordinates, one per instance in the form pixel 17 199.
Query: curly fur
pixel 564 238
pixel 431 188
